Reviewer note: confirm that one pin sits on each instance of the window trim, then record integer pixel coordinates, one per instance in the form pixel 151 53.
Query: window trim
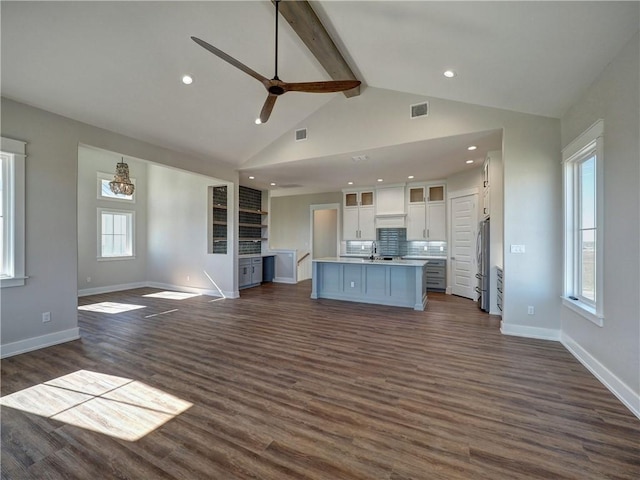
pixel 132 237
pixel 14 196
pixel 589 143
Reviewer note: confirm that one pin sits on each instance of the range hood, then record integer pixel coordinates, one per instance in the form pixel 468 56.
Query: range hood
pixel 391 220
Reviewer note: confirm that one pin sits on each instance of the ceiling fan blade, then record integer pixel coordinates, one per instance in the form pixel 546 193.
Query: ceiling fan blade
pixel 268 106
pixel 321 87
pixel 229 59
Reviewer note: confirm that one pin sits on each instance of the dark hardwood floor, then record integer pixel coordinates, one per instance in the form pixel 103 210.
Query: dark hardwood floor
pixel 284 387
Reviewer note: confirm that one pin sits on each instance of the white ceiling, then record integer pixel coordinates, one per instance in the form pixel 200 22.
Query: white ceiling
pixel 117 65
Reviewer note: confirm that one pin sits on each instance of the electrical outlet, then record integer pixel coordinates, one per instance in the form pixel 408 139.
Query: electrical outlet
pixel 362 247
pixel 517 249
pixel 88 279
pixel 530 310
pixel 188 278
pixel 46 317
pixel 441 248
pixel 353 284
pixel 425 248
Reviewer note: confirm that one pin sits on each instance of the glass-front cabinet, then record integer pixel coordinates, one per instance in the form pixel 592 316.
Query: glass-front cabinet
pixel 358 215
pixel 426 212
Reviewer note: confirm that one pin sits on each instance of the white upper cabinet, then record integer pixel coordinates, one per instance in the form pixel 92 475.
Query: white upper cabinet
pixel 358 215
pixel 358 198
pixel 417 221
pixel 436 222
pixel 435 193
pixel 486 188
pixel 426 212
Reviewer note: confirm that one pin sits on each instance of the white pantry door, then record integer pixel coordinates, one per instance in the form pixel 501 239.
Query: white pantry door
pixel 464 228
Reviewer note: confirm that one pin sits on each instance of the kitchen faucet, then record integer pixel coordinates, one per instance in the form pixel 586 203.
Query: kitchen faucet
pixel 373 250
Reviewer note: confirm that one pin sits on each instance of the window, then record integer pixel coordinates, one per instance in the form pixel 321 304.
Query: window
pixel 104 190
pixel 115 236
pixel 582 161
pixel 12 193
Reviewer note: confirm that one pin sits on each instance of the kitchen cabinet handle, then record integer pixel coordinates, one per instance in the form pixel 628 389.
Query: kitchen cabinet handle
pixel 253 269
pixel 424 235
pixel 427 233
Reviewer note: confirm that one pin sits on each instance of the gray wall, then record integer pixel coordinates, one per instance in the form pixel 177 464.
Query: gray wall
pixel 290 219
pixel 113 272
pixel 615 347
pixel 51 218
pixel 177 233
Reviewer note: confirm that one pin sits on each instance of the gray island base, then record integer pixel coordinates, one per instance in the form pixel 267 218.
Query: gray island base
pixel 399 283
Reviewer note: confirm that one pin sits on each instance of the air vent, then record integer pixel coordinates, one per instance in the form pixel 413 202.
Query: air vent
pixel 420 110
pixel 301 134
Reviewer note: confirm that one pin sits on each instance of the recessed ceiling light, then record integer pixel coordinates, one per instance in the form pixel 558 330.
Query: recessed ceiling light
pixel 449 73
pixel 410 177
pixel 251 177
pixel 273 184
pixel 258 121
pixel 349 183
pixel 469 161
pixel 380 180
pixel 187 79
pixel 472 147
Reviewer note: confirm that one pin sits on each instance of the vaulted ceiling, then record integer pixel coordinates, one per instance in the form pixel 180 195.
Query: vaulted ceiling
pixel 118 65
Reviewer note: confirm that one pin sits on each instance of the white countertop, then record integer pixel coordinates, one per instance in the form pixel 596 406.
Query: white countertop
pixel 353 260
pixel 424 257
pixel 405 257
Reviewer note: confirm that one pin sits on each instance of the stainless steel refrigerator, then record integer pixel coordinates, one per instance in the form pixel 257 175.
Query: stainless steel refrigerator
pixel 482 256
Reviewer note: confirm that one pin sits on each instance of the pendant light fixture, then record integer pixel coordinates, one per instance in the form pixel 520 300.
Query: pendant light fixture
pixel 121 183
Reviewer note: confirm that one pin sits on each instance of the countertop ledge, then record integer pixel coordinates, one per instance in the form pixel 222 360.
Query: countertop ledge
pixel 360 261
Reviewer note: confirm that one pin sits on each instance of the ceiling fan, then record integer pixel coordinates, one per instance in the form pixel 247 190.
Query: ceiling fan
pixel 275 86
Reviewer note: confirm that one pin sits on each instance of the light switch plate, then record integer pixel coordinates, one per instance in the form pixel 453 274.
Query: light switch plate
pixel 517 249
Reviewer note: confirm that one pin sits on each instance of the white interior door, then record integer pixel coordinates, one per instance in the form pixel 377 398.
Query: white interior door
pixel 464 227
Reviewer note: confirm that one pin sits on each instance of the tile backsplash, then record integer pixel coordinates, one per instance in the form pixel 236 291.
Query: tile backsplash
pixel 426 249
pixel 393 242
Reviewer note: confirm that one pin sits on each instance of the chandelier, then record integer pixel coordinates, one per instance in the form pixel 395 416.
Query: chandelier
pixel 121 183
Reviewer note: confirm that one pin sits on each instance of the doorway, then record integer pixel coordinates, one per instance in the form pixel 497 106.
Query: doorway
pixel 325 239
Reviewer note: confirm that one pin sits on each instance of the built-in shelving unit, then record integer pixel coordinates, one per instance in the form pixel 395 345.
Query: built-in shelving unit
pixel 252 221
pixel 218 220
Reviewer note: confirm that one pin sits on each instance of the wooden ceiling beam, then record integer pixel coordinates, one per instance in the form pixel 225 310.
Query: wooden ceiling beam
pixel 309 28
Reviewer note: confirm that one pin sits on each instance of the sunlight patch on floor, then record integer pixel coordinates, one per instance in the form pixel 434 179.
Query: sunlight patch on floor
pixel 172 295
pixel 110 307
pixel 115 406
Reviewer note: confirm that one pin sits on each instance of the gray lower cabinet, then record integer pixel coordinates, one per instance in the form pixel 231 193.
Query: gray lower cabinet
pixel 436 275
pixel 249 272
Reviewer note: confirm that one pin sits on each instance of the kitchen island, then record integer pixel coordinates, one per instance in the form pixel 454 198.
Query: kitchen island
pixel 400 283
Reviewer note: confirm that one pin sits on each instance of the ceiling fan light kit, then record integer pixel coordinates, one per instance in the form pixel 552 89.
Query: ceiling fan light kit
pixel 276 87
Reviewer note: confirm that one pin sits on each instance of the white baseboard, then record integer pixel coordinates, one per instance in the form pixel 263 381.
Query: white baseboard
pixel 182 288
pixel 165 286
pixel 284 280
pixel 616 386
pixel 529 332
pixel 35 343
pixel 111 288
